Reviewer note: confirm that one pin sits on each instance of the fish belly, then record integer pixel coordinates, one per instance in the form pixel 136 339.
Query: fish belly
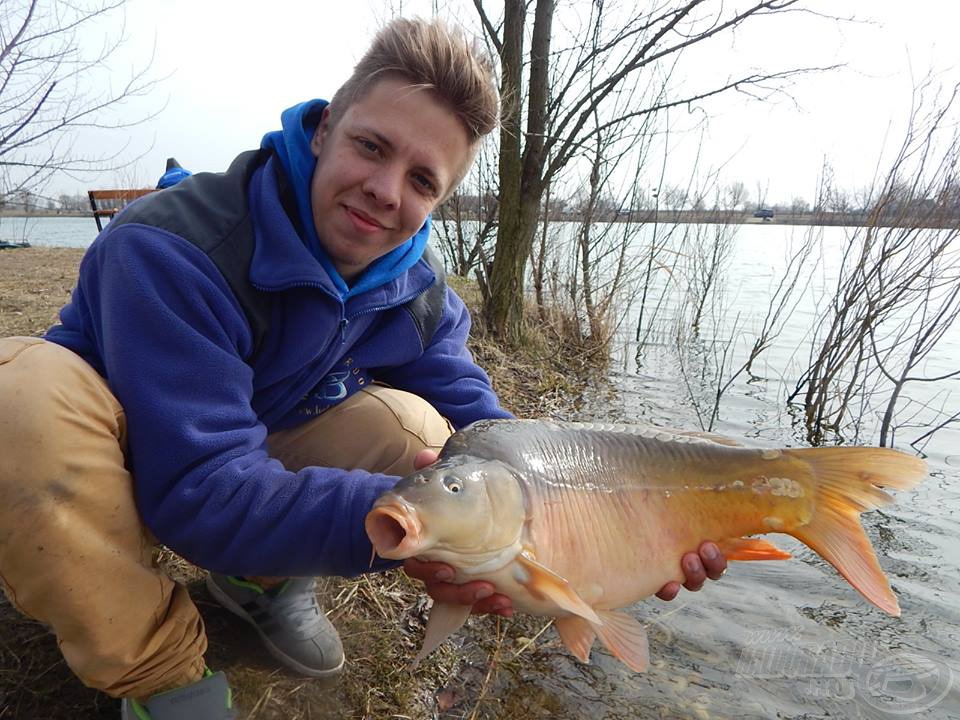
pixel 617 550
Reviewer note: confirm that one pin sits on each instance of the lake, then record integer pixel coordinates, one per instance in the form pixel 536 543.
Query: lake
pixel 793 639
pixel 77 232
pixel 785 639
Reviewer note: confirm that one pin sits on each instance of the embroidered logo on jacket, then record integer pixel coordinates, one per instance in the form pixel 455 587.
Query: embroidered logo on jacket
pixel 340 383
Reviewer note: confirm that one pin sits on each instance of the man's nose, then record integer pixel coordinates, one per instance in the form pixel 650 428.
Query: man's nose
pixel 385 186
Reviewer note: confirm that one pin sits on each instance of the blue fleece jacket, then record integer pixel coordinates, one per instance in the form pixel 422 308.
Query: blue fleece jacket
pixel 154 316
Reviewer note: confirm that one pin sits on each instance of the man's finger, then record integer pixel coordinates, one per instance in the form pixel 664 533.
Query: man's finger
pixel 427 572
pixel 693 571
pixel 424 458
pixel 479 594
pixel 669 591
pixel 467 594
pixel 496 604
pixel 714 563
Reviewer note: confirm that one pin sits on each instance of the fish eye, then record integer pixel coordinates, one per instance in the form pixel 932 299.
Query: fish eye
pixel 452 484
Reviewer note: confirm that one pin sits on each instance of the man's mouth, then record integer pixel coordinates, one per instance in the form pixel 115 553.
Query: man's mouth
pixel 362 220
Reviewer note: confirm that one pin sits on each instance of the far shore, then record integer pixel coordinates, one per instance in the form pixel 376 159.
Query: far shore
pixel 846 219
pixel 45 213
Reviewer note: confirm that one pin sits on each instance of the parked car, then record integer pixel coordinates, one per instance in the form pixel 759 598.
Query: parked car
pixel 764 214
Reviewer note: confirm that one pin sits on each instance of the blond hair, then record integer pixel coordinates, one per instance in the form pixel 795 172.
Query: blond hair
pixel 433 56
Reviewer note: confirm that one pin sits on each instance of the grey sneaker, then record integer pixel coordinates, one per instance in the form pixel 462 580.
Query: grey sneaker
pixel 207 699
pixel 288 619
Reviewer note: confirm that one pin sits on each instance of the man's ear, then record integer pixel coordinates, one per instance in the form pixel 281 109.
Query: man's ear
pixel 316 142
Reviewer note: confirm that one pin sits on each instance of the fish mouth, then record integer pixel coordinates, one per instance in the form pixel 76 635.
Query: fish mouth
pixel 394 530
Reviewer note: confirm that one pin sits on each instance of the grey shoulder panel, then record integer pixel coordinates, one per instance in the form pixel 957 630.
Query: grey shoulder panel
pixel 211 211
pixel 427 308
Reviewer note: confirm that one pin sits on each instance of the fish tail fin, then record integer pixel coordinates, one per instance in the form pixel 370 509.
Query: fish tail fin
pixel 849 481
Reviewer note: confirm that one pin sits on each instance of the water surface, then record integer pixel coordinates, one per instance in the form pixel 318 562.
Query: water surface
pixel 76 232
pixel 791 638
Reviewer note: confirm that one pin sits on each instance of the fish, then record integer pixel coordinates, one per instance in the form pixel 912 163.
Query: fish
pixel 578 520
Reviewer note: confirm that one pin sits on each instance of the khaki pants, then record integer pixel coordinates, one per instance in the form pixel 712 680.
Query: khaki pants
pixel 73 552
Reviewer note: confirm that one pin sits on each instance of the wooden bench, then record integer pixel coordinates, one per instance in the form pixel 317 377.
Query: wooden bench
pixel 107 203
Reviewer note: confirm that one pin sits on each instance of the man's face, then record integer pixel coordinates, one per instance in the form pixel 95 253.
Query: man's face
pixel 381 170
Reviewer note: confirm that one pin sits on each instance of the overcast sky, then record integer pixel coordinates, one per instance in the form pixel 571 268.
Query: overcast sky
pixel 231 67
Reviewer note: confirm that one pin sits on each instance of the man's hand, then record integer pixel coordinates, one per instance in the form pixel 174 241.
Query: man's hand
pixel 707 562
pixel 425 457
pixel 437 576
pixel 479 593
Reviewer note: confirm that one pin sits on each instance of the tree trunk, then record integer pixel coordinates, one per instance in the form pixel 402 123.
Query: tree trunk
pixel 521 183
pixel 515 237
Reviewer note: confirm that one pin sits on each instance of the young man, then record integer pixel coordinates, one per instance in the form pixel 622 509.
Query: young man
pixel 247 362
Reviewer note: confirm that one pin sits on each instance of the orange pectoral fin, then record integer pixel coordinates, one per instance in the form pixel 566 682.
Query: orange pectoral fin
pixel 751 549
pixel 544 583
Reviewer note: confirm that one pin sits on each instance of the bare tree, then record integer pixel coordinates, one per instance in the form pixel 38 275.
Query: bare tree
pixel 763 189
pixel 607 240
pixel 468 221
pixel 49 91
pixel 709 255
pixel 674 197
pixel 711 362
pixel 897 287
pixel 617 52
pixel 735 196
pixel 936 309
pixel 590 265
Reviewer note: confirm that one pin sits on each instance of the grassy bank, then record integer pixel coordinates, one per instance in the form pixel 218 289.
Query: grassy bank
pixel 381 618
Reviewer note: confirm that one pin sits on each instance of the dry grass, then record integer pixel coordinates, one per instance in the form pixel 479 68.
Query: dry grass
pixel 380 618
pixel 34 284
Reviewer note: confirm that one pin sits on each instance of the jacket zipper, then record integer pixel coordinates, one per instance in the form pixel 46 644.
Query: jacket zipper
pixel 344 321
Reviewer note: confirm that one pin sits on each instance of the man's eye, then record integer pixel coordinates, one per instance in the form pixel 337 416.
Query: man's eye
pixel 368 145
pixel 424 183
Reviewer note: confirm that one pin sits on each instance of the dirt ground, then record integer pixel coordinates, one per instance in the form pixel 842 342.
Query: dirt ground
pixel 34 284
pixel 380 618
